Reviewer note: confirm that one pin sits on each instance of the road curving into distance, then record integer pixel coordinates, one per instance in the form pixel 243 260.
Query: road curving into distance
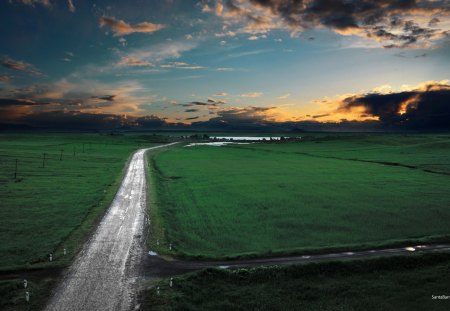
pixel 104 274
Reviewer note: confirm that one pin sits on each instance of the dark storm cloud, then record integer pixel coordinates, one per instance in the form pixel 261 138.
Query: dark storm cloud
pixel 191 110
pixel 150 122
pixel 192 118
pixel 75 120
pixel 19 66
pixel 388 21
pixel 428 107
pixel 238 118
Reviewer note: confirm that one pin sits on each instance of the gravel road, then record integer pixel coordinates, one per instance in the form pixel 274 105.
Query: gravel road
pixel 104 274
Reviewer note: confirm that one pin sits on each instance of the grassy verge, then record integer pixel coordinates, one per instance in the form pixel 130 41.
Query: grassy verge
pixel 267 199
pixel 397 283
pixel 156 233
pixel 12 293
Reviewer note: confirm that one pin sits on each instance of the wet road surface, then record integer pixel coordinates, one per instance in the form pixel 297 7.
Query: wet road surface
pixel 157 267
pixel 104 274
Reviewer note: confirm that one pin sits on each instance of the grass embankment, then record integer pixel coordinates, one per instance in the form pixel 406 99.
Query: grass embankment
pixel 54 205
pixel 397 283
pixel 263 199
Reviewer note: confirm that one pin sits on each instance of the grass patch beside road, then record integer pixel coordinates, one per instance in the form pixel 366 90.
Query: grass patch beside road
pixel 263 199
pixel 53 205
pixel 397 283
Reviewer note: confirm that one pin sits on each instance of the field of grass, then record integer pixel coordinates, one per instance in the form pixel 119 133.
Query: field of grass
pixel 337 192
pixel 398 283
pixel 54 205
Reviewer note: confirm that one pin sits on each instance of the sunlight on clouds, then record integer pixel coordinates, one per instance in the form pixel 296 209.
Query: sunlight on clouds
pixel 252 95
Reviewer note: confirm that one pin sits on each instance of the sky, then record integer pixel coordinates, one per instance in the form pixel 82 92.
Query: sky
pixel 231 64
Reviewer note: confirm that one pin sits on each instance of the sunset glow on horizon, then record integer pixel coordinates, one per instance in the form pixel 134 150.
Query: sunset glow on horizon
pixel 107 64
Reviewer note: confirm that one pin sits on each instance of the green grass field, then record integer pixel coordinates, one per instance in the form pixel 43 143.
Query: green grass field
pixel 46 209
pixel 315 195
pixel 398 284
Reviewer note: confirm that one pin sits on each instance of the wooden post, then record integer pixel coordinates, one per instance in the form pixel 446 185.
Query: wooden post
pixel 15 171
pixel 27 296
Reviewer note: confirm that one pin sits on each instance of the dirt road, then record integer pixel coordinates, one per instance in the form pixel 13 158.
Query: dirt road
pixel 104 273
pixel 157 267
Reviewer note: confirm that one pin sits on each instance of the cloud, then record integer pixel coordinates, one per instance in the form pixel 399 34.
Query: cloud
pixel 163 51
pixel 242 118
pixel 134 62
pixel 109 98
pixel 221 94
pixel 226 69
pixel 19 102
pixel 395 24
pixel 191 110
pixel 71 6
pixel 5 78
pixel 285 96
pixel 210 103
pixel 19 66
pixel 252 95
pixel 181 65
pixel 427 106
pixel 206 8
pixel 45 3
pixel 121 28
